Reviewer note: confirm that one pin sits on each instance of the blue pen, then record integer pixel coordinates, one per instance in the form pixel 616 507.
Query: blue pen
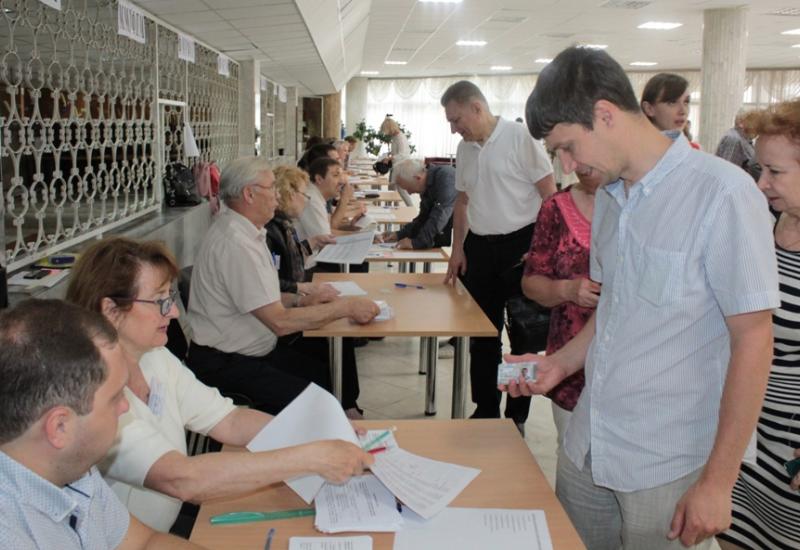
pixel 409 285
pixel 271 534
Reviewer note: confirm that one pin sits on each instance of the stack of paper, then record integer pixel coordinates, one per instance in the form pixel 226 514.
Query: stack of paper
pixel 361 504
pixel 330 543
pixel 348 249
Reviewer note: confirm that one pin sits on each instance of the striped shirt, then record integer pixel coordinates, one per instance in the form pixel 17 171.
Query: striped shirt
pixel 688 246
pixel 83 515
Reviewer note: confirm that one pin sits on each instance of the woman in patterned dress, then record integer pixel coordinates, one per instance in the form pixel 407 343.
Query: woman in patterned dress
pixel 557 276
pixel 766 503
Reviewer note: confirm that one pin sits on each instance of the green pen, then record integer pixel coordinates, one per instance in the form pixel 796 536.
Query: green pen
pixel 377 439
pixel 247 517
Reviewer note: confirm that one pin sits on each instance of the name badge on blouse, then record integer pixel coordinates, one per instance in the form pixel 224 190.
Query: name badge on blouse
pixel 156 401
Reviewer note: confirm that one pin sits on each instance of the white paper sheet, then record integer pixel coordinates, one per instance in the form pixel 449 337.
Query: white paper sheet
pixel 330 543
pixel 379 210
pixel 424 485
pixel 50 280
pixel 313 415
pixel 348 288
pixel 364 221
pixel 416 255
pixel 387 441
pixel 348 249
pixel 386 311
pixel 476 529
pixel 361 504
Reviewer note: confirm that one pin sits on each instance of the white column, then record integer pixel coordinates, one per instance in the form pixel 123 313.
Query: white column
pixel 249 96
pixel 723 72
pixel 356 108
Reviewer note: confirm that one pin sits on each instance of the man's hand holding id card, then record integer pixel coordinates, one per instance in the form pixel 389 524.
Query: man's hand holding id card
pixel 506 372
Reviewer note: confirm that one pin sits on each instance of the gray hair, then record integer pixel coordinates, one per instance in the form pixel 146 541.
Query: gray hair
pixel 408 168
pixel 48 358
pixel 239 174
pixel 462 92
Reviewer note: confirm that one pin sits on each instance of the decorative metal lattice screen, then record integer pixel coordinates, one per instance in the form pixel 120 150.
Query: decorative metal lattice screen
pixel 81 136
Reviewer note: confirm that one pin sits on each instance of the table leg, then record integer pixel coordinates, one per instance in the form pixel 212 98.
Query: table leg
pixel 335 362
pixel 412 267
pixel 424 344
pixel 460 372
pixel 430 383
pixel 402 267
pixel 426 267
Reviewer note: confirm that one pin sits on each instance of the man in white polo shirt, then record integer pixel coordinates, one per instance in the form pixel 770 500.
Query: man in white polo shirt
pixel 502 176
pixel 236 308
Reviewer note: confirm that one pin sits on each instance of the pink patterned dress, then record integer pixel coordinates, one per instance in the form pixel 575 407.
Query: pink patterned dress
pixel 560 250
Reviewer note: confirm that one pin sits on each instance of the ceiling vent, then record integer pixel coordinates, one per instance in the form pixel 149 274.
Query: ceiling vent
pixel 626 4
pixel 792 12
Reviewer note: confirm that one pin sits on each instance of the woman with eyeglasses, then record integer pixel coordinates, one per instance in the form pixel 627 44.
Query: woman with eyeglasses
pixel 148 468
pixel 289 254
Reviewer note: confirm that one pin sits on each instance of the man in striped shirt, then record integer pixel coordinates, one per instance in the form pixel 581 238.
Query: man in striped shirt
pixel 678 353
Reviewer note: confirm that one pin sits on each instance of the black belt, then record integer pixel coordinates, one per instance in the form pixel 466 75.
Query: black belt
pixel 506 236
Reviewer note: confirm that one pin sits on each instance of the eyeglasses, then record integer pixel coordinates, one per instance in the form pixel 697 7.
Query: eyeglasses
pixel 164 304
pixel 306 195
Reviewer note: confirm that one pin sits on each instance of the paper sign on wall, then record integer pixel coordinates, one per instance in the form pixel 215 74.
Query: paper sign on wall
pixel 189 144
pixel 185 47
pixel 131 22
pixel 56 4
pixel 223 65
pixel 282 94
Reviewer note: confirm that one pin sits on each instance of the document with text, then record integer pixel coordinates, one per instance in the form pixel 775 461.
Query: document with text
pixel 361 504
pixel 330 543
pixel 348 249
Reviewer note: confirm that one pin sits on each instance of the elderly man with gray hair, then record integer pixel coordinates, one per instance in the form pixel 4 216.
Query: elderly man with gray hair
pixel 436 185
pixel 237 311
pixel 737 147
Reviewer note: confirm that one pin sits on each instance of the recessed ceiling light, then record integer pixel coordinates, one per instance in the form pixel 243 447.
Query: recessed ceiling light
pixel 501 67
pixel 369 73
pixel 543 60
pixel 659 25
pixel 595 46
pixel 643 63
pixel 796 46
pixel 471 43
pixel 440 1
pixel 395 62
pixel 793 31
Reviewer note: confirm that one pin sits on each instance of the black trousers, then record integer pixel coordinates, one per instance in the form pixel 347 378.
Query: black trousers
pixel 266 383
pixel 492 277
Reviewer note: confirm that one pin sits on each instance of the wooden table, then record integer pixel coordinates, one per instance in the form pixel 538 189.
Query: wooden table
pixel 436 310
pixel 382 196
pixel 509 478
pixel 400 215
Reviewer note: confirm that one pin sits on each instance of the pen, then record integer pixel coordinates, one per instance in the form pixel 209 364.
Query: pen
pixel 271 534
pixel 408 285
pixel 376 450
pixel 247 517
pixel 377 438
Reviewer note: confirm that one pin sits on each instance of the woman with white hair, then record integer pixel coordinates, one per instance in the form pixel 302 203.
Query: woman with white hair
pixel 398 151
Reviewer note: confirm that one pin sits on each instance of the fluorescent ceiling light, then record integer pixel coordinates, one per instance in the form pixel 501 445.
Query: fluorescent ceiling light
pixel 659 25
pixel 543 60
pixel 796 46
pixel 440 1
pixel 595 46
pixel 793 31
pixel 395 62
pixel 643 63
pixel 471 43
pixel 501 67
pixel 369 73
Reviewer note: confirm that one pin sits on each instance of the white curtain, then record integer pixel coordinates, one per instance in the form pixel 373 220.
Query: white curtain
pixel 414 102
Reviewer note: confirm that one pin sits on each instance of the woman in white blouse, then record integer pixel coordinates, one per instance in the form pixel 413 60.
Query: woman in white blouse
pixel 148 468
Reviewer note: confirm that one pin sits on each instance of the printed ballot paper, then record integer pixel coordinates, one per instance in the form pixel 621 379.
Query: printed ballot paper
pixel 348 249
pixel 313 415
pixel 424 485
pixel 475 529
pixel 361 504
pixel 330 543
pixel 348 288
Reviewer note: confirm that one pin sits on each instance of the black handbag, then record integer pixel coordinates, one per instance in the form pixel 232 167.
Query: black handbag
pixel 382 166
pixel 179 185
pixel 527 324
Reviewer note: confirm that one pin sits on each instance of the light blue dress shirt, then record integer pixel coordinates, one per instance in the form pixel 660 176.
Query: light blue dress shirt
pixel 690 245
pixel 84 515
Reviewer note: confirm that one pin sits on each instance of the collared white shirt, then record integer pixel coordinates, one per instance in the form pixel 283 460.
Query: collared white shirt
pixel 314 220
pixel 690 245
pixel 83 515
pixel 499 179
pixel 233 275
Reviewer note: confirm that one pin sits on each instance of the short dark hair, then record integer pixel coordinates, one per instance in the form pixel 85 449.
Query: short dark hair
pixel 48 357
pixel 568 88
pixel 664 87
pixel 321 150
pixel 462 92
pixel 320 167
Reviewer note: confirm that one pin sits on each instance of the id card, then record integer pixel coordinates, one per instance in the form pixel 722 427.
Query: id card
pixel 506 372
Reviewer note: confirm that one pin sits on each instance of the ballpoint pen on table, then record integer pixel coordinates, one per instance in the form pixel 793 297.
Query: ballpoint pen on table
pixel 377 450
pixel 378 438
pixel 409 285
pixel 247 517
pixel 268 543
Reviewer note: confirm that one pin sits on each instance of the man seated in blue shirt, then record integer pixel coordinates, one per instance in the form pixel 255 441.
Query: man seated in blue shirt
pixel 433 227
pixel 61 378
pixel 678 352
